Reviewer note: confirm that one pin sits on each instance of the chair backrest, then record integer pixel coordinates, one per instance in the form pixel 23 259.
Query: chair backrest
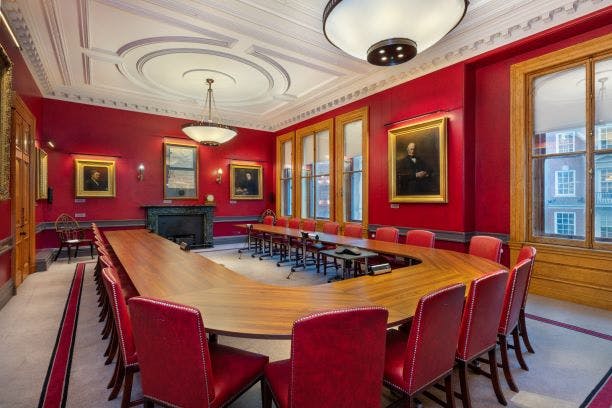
pixel 432 342
pixel 294 223
pixel 387 234
pixel 268 220
pixel 337 358
pixel 527 252
pixel 309 225
pixel 121 315
pixel 486 247
pixel 481 315
pixel 67 228
pixel 353 230
pixel 421 238
pixel 513 297
pixel 173 354
pixel 331 227
pixel 282 222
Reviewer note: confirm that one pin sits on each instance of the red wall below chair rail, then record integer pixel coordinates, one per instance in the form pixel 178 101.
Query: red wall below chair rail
pixel 132 138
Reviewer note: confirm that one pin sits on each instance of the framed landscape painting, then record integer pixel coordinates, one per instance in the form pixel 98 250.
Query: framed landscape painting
pixel 94 178
pixel 180 171
pixel 246 182
pixel 417 163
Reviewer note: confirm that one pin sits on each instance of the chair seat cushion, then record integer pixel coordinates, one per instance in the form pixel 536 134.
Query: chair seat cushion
pixel 233 370
pixel 395 357
pixel 278 375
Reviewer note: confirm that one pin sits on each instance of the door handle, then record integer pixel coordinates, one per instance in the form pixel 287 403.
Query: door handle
pixel 22 233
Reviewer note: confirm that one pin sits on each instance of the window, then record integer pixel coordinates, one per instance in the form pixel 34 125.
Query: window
pixel 565 142
pixel 565 223
pixel 315 166
pixel 284 165
pixel 329 170
pixel 567 180
pixel 564 183
pixel 604 136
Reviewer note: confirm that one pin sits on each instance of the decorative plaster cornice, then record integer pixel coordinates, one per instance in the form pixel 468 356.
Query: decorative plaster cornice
pixel 55 33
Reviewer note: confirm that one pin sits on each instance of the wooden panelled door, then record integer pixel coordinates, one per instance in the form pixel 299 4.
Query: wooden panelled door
pixel 22 130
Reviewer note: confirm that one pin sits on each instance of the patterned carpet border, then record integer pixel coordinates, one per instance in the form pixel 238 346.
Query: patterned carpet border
pixel 55 387
pixel 601 396
pixel 569 327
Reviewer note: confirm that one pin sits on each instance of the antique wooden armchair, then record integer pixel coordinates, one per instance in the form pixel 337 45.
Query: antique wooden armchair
pixel 70 235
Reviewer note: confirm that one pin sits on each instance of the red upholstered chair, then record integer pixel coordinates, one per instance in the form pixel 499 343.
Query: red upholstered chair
pixel 344 370
pixel 279 241
pixel 387 234
pixel 353 230
pixel 127 361
pixel 293 223
pixel 309 225
pixel 508 323
pixel 486 247
pixel 526 252
pixel 262 239
pixel 329 227
pixel 282 222
pixel 421 238
pixel 478 332
pixel 179 368
pixel 426 354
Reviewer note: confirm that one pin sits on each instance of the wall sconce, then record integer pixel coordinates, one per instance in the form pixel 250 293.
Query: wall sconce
pixel 219 174
pixel 51 144
pixel 140 172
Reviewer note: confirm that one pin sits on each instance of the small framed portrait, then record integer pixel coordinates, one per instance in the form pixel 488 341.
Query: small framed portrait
pixel 417 163
pixel 246 182
pixel 94 178
pixel 180 171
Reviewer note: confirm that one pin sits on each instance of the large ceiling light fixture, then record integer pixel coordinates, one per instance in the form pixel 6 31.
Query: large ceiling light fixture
pixel 389 32
pixel 210 131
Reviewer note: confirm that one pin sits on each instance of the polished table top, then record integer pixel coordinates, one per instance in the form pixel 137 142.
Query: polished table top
pixel 234 305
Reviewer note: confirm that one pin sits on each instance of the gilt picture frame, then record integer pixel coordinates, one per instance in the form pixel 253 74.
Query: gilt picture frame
pixel 246 181
pixel 42 171
pixel 6 98
pixel 180 171
pixel 94 178
pixel 418 162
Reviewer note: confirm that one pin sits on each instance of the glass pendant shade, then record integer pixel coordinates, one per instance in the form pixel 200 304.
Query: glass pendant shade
pixel 209 132
pixel 389 32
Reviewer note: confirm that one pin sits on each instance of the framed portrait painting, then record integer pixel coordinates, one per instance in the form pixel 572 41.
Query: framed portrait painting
pixel 41 174
pixel 180 171
pixel 246 182
pixel 417 163
pixel 94 178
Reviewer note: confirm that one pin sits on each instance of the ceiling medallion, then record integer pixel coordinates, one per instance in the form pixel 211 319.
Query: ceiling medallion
pixel 389 32
pixel 210 132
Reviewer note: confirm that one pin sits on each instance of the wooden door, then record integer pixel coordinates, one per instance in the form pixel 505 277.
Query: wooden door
pixel 22 130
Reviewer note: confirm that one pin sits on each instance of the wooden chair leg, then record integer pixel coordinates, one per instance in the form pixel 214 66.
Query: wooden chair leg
pixel 517 349
pixel 58 252
pixel 148 403
pixel 113 379
pixel 119 381
pixel 503 348
pixel 127 388
pixel 465 391
pixel 91 250
pixel 113 347
pixel 266 395
pixel 495 378
pixel 523 331
pixel 450 395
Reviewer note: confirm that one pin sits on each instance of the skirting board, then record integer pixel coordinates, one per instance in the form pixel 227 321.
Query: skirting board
pixel 7 291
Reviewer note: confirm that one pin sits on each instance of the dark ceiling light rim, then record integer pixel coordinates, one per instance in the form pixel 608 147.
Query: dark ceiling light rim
pixel 407 52
pixel 331 5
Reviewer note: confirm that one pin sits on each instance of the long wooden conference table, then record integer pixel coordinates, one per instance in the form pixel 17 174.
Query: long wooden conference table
pixel 234 305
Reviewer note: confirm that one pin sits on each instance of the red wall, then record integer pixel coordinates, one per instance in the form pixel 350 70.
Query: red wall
pixel 134 138
pixel 25 87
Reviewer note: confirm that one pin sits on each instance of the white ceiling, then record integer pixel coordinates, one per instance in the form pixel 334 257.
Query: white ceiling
pixel 271 63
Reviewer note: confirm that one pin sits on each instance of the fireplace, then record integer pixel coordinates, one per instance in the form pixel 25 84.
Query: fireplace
pixel 191 224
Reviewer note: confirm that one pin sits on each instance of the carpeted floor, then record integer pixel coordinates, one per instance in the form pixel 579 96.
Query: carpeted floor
pixel 567 364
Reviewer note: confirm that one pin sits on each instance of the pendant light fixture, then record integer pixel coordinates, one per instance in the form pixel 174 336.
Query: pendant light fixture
pixel 389 32
pixel 210 132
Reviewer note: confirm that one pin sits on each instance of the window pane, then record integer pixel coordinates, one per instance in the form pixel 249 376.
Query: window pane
pixel 353 196
pixel 308 197
pixel 286 163
pixel 307 155
pixel 559 112
pixel 322 153
pixel 352 143
pixel 559 197
pixel 286 204
pixel 322 198
pixel 603 105
pixel 603 197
